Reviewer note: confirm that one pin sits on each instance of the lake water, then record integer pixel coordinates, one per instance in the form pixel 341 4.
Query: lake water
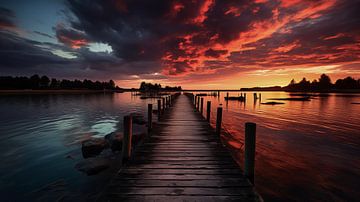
pixel 40 142
pixel 305 150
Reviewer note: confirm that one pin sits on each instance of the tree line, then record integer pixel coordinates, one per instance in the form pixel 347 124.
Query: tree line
pixel 36 82
pixel 157 87
pixel 324 83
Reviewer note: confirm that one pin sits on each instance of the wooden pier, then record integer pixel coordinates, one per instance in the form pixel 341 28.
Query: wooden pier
pixel 182 159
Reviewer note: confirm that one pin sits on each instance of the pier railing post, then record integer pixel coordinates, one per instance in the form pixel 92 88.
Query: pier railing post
pixel 126 147
pixel 198 103
pixel 149 117
pixel 164 106
pixel 202 106
pixel 159 109
pixel 208 110
pixel 250 140
pixel 195 101
pixel 218 121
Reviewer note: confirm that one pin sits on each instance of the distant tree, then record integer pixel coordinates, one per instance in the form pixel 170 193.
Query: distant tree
pixel 54 83
pixel 44 82
pixel 292 82
pixel 347 83
pixel 34 81
pixel 325 82
pixel 111 84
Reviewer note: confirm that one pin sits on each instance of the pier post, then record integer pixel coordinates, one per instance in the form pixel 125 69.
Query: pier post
pixel 260 96
pixel 202 106
pixel 149 117
pixel 159 108
pixel 126 147
pixel 227 96
pixel 164 106
pixel 198 103
pixel 195 97
pixel 170 100
pixel 218 121
pixel 208 110
pixel 255 96
pixel 250 140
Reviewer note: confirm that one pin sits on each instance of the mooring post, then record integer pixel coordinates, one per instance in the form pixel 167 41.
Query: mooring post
pixel 218 121
pixel 126 147
pixel 164 106
pixel 202 106
pixel 150 106
pixel 198 103
pixel 159 109
pixel 250 140
pixel 208 110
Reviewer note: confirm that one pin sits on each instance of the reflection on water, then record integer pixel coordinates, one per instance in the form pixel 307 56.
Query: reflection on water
pixel 305 150
pixel 40 142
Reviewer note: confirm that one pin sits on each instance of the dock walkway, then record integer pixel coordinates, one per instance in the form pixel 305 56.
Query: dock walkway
pixel 182 160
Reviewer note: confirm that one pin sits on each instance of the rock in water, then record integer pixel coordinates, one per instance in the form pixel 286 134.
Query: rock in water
pixel 115 140
pixel 93 166
pixel 93 147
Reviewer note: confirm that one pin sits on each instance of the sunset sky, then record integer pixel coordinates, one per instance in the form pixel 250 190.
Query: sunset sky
pixel 204 44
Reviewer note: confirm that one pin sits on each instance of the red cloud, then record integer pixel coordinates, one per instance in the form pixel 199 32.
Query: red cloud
pixel 71 37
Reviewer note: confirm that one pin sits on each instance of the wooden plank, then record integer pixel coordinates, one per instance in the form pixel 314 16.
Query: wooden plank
pixel 207 183
pixel 177 191
pixel 160 198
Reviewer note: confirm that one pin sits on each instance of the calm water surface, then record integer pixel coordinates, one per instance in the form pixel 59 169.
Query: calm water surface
pixel 305 150
pixel 40 142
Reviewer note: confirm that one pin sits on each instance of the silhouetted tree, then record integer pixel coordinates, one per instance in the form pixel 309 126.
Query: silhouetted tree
pixel 35 81
pixel 44 82
pixel 325 82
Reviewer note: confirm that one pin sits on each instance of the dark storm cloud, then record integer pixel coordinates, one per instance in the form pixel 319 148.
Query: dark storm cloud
pixel 176 37
pixel 6 17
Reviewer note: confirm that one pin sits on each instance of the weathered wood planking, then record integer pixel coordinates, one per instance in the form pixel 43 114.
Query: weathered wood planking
pixel 182 160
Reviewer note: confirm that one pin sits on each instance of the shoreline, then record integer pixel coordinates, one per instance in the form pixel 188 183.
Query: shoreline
pixel 87 91
pixel 53 91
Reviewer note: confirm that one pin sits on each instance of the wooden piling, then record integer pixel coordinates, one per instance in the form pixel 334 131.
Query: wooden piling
pixel 159 109
pixel 208 110
pixel 227 96
pixel 195 97
pixel 126 147
pixel 250 140
pixel 198 103
pixel 150 117
pixel 163 103
pixel 218 121
pixel 202 106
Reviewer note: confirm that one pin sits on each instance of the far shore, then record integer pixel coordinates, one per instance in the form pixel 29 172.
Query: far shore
pixel 56 91
pixel 89 91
